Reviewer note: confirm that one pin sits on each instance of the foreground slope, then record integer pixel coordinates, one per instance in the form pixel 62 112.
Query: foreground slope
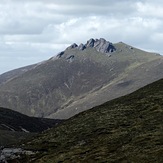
pixel 80 78
pixel 14 125
pixel 127 129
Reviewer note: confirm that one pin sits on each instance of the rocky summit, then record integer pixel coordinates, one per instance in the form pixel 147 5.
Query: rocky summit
pixel 79 78
pixel 101 45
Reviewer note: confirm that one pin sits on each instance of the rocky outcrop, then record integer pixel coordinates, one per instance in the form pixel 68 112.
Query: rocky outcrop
pixel 81 47
pixel 74 45
pixel 12 154
pixel 59 55
pixel 90 43
pixel 70 58
pixel 101 45
pixel 104 46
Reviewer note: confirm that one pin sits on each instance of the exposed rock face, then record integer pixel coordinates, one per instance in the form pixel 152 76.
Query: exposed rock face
pixel 59 55
pixel 101 45
pixel 81 47
pixel 74 45
pixel 104 46
pixel 70 58
pixel 90 43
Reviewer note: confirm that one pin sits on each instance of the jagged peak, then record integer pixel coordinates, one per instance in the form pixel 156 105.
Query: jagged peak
pixel 90 43
pixel 101 45
pixel 81 47
pixel 74 45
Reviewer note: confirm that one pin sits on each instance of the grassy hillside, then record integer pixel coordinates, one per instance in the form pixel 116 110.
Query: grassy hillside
pixel 127 129
pixel 15 126
pixel 8 138
pixel 79 80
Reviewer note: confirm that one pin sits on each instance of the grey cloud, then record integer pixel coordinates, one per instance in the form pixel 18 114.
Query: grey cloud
pixel 85 7
pixel 32 17
pixel 15 55
pixel 34 30
pixel 25 18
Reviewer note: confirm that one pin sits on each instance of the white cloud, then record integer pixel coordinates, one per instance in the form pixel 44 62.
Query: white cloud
pixel 151 9
pixel 37 29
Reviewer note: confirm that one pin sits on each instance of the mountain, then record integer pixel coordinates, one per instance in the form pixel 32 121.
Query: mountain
pixel 127 129
pixel 14 73
pixel 79 78
pixel 14 125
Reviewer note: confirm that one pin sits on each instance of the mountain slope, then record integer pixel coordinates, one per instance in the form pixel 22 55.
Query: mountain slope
pixel 5 77
pixel 79 78
pixel 14 125
pixel 127 129
pixel 14 121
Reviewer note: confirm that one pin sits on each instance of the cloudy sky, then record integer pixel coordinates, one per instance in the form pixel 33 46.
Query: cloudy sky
pixel 34 30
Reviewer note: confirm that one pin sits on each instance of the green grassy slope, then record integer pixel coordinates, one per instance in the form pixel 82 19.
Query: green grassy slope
pixel 127 129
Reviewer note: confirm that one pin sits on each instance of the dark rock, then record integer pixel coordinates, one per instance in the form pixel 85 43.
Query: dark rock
pixel 81 47
pixel 70 58
pixel 101 45
pixel 90 43
pixel 104 46
pixel 59 55
pixel 74 45
pixel 97 42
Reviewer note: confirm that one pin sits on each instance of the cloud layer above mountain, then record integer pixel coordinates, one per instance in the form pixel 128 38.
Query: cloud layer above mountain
pixel 34 30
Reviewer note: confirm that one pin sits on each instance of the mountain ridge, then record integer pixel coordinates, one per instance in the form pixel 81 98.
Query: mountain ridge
pixel 76 80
